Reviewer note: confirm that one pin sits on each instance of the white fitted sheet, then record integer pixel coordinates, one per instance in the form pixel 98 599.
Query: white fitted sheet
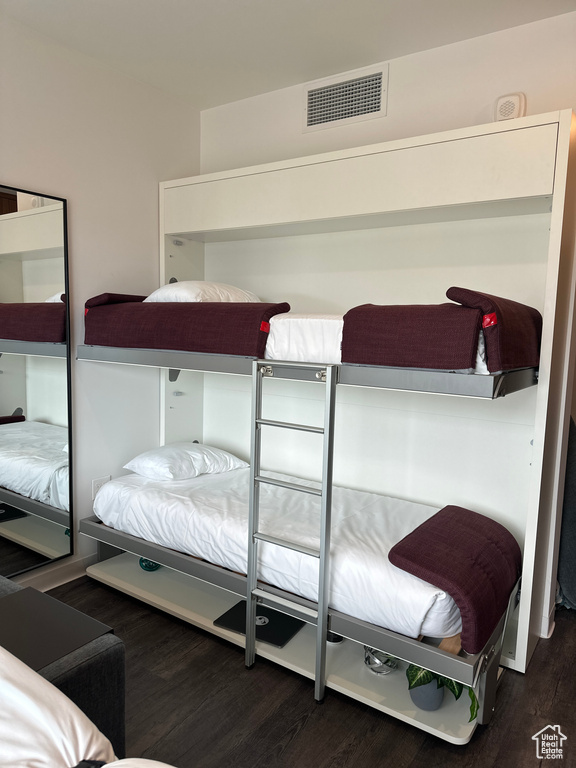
pixel 34 463
pixel 208 517
pixel 305 338
pixel 318 339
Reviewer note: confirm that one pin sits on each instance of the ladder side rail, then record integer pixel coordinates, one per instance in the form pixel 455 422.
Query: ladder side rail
pixel 325 529
pixel 253 517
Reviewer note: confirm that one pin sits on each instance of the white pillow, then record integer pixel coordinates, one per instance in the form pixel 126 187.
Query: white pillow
pixel 181 461
pixel 39 725
pixel 56 298
pixel 200 290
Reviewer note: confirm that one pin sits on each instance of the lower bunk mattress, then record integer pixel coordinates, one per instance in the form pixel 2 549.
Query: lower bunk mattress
pixel 207 517
pixel 34 461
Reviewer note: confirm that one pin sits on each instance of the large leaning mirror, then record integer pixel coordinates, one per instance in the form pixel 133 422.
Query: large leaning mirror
pixel 35 425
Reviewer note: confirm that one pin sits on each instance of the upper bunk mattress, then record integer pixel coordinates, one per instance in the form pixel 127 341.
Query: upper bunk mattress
pixel 207 517
pixel 223 328
pixel 41 322
pixel 34 461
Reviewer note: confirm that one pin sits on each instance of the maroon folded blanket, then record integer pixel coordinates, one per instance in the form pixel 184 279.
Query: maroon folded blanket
pixel 512 331
pixel 443 336
pixel 112 298
pixel 11 419
pixel 33 322
pixel 471 557
pixel 224 328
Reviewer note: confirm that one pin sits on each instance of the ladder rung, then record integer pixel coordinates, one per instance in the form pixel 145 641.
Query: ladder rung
pixel 290 425
pixel 291 486
pixel 295 609
pixel 288 544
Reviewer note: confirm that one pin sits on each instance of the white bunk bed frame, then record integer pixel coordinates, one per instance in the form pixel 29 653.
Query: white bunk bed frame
pixel 512 168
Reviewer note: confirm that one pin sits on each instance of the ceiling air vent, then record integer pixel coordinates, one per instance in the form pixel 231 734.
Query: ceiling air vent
pixel 346 99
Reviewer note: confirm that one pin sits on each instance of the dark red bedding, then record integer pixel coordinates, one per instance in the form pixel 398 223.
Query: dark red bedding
pixel 224 328
pixel 471 557
pixel 444 336
pixel 11 419
pixel 45 322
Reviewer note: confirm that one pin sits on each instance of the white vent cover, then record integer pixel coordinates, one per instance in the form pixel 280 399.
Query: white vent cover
pixel 358 95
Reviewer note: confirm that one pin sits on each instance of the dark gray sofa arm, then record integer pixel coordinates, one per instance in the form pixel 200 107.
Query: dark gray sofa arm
pixel 93 677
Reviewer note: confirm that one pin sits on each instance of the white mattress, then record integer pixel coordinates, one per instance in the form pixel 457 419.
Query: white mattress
pixel 207 517
pixel 318 339
pixel 34 462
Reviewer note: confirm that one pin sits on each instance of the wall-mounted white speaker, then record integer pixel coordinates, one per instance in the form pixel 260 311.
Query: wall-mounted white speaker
pixel 509 106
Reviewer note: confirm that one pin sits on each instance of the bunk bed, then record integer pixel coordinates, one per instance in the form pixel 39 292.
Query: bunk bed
pixel 189 516
pixel 477 334
pixel 206 517
pixel 501 180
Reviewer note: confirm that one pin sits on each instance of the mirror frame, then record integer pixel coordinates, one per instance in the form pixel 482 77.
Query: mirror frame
pixel 68 355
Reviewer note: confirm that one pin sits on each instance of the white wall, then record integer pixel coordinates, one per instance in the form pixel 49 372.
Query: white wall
pixel 449 87
pixel 74 129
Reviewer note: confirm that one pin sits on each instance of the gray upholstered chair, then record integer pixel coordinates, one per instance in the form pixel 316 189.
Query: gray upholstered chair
pixel 93 677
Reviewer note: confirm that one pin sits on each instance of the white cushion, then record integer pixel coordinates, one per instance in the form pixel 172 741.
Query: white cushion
pixel 181 461
pixel 39 726
pixel 200 290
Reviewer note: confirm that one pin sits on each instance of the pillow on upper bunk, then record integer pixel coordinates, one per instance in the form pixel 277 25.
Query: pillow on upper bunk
pixel 200 290
pixel 182 461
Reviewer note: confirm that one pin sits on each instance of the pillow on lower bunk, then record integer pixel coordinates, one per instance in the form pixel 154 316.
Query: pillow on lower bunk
pixel 200 290
pixel 182 461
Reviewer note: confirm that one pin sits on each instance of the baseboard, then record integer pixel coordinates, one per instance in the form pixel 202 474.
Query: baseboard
pixel 51 576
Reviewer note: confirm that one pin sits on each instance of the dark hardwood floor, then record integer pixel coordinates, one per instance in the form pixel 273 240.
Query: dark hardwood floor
pixel 15 558
pixel 192 703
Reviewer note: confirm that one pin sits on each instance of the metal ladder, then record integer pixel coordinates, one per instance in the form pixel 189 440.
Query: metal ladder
pixel 303 372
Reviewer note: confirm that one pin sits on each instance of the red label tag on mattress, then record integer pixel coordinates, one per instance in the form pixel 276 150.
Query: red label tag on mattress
pixel 489 320
pixel 86 311
pixel 264 326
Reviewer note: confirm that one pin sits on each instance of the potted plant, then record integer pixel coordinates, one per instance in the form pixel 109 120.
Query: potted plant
pixel 432 699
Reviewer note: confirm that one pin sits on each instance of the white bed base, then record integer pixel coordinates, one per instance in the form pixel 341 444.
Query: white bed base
pixel 198 592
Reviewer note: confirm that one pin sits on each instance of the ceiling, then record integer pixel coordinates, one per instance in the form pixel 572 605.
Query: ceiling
pixel 214 52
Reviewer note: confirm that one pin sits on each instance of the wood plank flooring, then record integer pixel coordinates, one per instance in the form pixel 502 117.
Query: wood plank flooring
pixel 15 558
pixel 191 703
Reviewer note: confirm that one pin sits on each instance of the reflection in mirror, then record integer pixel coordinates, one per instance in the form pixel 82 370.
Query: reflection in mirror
pixel 35 474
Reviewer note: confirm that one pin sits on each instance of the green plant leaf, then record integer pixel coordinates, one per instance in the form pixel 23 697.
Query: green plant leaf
pixel 418 676
pixel 453 686
pixel 473 704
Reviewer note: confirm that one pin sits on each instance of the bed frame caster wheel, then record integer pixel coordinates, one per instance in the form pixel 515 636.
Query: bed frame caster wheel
pixel 148 565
